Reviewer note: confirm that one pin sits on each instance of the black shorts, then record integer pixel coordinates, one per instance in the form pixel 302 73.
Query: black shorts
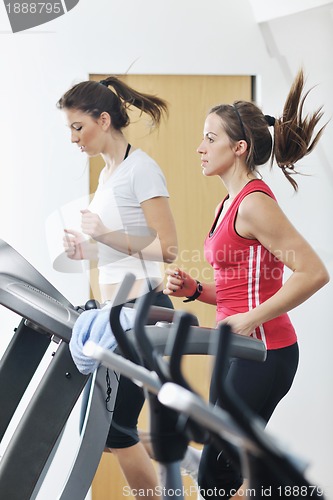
pixel 123 431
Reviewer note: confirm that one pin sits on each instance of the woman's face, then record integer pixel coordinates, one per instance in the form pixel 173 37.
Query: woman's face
pixel 216 150
pixel 87 132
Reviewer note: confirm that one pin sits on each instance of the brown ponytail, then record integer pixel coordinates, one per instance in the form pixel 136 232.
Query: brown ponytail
pixel 293 133
pixel 149 104
pixel 95 98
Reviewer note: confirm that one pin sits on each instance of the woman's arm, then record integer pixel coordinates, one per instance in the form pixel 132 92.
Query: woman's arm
pixel 160 219
pixel 160 242
pixel 260 217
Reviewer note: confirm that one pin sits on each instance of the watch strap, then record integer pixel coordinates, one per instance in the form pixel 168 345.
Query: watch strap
pixel 196 294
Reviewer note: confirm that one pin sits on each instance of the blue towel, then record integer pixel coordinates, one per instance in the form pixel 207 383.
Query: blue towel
pixel 94 325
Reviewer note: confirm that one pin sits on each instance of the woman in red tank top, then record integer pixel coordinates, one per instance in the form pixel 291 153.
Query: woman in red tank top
pixel 249 244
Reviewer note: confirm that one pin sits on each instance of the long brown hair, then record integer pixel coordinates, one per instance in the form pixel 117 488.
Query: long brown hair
pixel 95 98
pixel 293 133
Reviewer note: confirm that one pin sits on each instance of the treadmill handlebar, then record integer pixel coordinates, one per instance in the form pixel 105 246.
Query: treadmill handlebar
pixel 26 292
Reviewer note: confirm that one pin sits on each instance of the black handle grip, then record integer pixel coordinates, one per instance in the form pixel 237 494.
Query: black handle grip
pixel 231 401
pixel 143 304
pixel 127 349
pixel 176 343
pixel 92 304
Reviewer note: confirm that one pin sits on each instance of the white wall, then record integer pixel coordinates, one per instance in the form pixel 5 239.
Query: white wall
pixel 41 170
pixel 266 10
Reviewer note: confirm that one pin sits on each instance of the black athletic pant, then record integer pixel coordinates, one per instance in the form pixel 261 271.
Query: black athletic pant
pixel 261 386
pixel 123 431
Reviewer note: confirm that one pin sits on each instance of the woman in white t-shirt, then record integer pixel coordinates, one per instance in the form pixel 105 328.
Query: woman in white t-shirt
pixel 130 229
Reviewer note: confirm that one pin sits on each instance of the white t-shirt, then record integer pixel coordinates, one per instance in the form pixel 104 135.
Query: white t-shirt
pixel 117 202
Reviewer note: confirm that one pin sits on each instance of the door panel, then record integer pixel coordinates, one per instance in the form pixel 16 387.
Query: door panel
pixel 193 198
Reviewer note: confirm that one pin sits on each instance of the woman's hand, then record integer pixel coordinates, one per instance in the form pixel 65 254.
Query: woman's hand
pixel 240 323
pixel 179 283
pixel 92 225
pixel 73 244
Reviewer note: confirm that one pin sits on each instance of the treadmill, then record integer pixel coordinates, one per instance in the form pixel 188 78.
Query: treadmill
pixel 48 316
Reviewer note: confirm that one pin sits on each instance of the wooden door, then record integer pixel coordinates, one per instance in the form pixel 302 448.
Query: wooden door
pixel 193 198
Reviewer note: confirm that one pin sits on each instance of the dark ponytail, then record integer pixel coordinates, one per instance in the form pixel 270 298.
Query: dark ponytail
pixel 293 133
pixel 95 98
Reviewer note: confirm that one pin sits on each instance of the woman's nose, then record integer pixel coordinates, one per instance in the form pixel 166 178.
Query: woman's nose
pixel 74 137
pixel 200 148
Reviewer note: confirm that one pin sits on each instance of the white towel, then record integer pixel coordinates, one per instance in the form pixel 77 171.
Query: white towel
pixel 94 325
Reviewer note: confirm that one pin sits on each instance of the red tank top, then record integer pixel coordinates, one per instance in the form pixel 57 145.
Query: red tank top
pixel 246 273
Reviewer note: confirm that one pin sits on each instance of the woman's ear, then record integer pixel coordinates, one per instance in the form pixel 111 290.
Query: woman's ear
pixel 240 147
pixel 105 120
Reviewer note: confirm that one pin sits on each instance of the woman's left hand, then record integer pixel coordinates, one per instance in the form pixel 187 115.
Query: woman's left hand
pixel 240 323
pixel 92 225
